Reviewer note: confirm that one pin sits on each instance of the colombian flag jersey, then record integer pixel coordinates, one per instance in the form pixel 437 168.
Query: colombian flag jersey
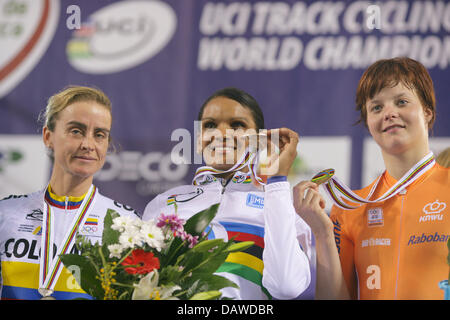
pixel 20 240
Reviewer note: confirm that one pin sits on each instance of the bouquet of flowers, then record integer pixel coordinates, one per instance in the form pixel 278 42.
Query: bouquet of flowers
pixel 161 259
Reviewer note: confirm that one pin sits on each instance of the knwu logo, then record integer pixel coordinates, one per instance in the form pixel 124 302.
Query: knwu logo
pixel 433 211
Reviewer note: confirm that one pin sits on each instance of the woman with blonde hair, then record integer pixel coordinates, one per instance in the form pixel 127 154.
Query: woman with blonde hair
pixel 36 228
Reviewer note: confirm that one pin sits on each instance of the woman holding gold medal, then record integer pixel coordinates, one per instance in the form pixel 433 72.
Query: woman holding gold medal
pixel 277 265
pixel 388 240
pixel 36 228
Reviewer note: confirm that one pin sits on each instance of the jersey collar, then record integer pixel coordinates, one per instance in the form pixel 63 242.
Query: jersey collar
pixel 238 177
pixel 63 202
pixel 389 180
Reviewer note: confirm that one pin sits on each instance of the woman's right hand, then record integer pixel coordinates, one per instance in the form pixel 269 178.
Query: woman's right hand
pixel 310 206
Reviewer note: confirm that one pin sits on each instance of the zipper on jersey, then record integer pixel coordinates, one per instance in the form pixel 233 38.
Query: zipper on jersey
pixel 403 195
pixel 66 203
pixel 224 184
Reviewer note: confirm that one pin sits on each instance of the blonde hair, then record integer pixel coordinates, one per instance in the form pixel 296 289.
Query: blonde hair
pixel 443 158
pixel 66 97
pixel 71 94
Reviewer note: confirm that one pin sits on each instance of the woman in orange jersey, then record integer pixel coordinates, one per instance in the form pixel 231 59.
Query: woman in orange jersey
pixel 390 243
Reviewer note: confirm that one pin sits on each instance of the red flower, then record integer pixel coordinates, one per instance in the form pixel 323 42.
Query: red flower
pixel 141 262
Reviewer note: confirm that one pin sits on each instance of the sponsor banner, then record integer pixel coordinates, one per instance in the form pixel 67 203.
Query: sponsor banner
pixel 24 165
pixel 319 35
pixel 136 175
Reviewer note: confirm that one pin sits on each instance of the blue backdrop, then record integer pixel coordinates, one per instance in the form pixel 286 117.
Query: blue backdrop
pixel 159 60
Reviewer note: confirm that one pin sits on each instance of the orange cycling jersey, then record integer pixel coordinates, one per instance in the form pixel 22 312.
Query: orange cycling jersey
pixel 397 249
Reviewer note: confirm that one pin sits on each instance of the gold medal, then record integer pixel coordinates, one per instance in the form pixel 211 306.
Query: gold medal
pixel 323 176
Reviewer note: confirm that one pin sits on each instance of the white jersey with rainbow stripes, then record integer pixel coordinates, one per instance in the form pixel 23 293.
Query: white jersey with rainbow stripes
pixel 276 266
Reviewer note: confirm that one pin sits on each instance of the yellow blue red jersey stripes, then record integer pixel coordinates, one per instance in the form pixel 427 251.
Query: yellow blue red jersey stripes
pixel 21 221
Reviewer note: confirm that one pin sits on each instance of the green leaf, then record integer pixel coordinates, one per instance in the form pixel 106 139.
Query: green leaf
pixel 175 250
pixel 448 257
pixel 170 274
pixel 194 226
pixel 208 295
pixel 109 236
pixel 240 246
pixel 191 260
pixel 213 263
pixel 198 223
pixel 86 276
pixel 214 281
pixel 207 245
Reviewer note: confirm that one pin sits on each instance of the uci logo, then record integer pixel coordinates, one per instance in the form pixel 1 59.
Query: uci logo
pixel 121 35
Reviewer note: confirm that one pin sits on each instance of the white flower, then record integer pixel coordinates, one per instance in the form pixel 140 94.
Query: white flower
pixel 147 289
pixel 115 250
pixel 122 223
pixel 130 238
pixel 152 235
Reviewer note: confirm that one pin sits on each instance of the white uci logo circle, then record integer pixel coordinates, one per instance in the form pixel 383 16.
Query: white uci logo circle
pixel 121 36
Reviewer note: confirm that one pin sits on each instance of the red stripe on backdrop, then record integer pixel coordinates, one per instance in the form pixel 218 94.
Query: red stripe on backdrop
pixel 29 45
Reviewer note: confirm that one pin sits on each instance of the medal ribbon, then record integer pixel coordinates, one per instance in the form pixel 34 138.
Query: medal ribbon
pixel 338 191
pixel 50 268
pixel 248 159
